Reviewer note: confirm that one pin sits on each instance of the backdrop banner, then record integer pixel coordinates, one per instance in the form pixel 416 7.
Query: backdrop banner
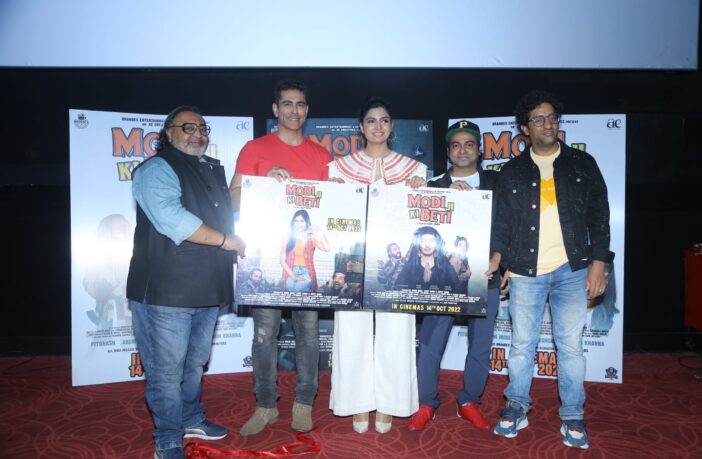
pixel 604 137
pixel 105 147
pixel 342 137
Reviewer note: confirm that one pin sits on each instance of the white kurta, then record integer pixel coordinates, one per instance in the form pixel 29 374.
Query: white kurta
pixel 374 374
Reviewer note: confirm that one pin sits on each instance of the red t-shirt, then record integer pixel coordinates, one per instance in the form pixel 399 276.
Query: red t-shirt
pixel 307 161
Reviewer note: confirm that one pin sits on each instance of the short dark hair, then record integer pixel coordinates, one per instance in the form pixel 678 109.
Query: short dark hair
pixel 162 138
pixel 287 85
pixel 532 100
pixel 387 249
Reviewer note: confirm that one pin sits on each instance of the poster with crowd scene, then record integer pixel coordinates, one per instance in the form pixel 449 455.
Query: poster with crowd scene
pixel 427 250
pixel 305 243
pixel 105 147
pixel 604 137
pixel 342 137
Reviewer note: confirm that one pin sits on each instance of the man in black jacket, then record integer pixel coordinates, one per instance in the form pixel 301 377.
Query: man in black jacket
pixel 180 272
pixel 551 232
pixel 463 149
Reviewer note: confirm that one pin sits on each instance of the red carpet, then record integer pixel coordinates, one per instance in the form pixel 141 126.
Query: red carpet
pixel 657 412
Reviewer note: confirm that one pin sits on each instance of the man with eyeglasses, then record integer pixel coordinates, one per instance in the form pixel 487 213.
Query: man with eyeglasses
pixel 180 273
pixel 283 155
pixel 551 232
pixel 463 151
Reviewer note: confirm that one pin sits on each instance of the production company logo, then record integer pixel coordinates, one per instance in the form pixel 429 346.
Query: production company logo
pixel 248 361
pixel 81 122
pixel 611 373
pixel 613 123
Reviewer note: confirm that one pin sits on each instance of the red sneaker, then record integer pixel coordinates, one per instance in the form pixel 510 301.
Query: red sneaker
pixel 419 420
pixel 471 412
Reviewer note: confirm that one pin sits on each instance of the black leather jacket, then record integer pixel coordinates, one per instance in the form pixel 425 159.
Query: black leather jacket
pixel 583 210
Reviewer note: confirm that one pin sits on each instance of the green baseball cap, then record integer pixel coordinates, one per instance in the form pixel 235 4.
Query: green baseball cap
pixel 465 126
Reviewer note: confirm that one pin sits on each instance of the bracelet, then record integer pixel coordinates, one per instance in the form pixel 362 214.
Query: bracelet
pixel 223 241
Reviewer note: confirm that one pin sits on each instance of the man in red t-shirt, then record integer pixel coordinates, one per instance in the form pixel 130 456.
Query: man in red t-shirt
pixel 283 155
pixel 287 153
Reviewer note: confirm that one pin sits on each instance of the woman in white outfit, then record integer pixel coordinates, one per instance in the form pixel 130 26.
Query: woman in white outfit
pixel 375 374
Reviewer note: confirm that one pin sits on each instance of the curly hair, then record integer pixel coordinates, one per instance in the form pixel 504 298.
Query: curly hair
pixel 532 100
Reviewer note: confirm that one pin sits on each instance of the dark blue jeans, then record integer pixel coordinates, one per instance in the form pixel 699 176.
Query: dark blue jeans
pixel 433 336
pixel 265 355
pixel 174 344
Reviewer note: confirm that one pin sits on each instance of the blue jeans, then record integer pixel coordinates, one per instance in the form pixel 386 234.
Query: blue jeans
pixel 174 344
pixel 433 336
pixel 265 355
pixel 291 285
pixel 568 299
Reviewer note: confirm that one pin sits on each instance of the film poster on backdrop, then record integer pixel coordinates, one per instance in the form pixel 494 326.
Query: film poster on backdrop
pixel 105 148
pixel 427 250
pixel 604 137
pixel 305 243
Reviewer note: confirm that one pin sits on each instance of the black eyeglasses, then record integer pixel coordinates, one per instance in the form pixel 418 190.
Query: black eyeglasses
pixel 190 128
pixel 541 119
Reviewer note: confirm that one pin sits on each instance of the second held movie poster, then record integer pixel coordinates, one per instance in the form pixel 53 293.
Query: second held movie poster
pixel 304 243
pixel 427 250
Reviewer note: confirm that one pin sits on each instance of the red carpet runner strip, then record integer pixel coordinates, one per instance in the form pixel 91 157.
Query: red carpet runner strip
pixel 303 445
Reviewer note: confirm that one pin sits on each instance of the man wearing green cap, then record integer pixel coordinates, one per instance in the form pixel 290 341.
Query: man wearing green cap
pixel 463 150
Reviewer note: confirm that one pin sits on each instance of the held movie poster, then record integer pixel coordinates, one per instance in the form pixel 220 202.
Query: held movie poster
pixel 427 250
pixel 304 243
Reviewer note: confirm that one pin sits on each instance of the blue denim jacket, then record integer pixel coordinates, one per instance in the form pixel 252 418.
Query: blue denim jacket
pixel 156 188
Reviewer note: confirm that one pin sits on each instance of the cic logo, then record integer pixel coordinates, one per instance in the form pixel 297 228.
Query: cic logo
pixel 614 123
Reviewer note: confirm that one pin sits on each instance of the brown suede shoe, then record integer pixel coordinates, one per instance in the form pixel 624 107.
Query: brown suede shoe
pixel 260 419
pixel 301 417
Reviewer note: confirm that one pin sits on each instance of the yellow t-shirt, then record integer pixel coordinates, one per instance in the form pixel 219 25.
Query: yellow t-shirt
pixel 552 253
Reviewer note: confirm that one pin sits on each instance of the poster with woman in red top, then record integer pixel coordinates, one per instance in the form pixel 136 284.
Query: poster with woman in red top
pixel 305 243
